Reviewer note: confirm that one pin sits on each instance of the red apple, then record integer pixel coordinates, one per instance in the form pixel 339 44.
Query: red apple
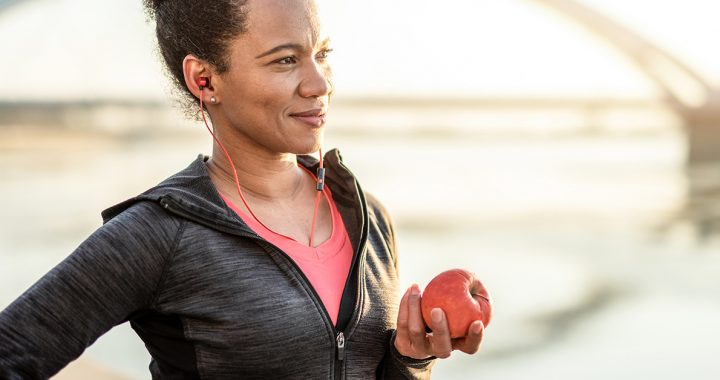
pixel 463 298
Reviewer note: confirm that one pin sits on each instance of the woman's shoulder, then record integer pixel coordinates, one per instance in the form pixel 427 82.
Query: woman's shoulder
pixel 378 211
pixel 381 221
pixel 136 210
pixel 191 184
pixel 143 224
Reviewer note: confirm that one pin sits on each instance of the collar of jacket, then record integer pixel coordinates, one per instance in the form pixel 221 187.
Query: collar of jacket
pixel 190 193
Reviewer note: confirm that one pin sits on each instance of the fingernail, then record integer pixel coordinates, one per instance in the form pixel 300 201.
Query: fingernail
pixel 436 314
pixel 414 290
pixel 477 328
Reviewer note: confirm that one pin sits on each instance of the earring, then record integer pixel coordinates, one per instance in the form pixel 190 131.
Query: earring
pixel 213 100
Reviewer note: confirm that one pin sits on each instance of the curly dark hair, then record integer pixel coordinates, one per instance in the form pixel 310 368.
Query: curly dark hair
pixel 201 28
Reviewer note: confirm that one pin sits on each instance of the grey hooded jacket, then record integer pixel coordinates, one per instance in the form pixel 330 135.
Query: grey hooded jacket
pixel 209 297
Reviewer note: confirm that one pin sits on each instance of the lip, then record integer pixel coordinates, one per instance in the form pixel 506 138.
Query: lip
pixel 314 117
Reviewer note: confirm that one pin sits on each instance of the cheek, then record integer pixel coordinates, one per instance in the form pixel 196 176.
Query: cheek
pixel 327 70
pixel 273 95
pixel 260 99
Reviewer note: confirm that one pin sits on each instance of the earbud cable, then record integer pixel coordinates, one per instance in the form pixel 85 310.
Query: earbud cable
pixel 319 187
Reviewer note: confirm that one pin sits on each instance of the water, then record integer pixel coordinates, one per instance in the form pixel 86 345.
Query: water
pixel 584 239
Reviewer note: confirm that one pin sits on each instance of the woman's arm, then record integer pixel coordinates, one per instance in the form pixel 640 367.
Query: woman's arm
pixel 112 274
pixel 394 365
pixel 412 351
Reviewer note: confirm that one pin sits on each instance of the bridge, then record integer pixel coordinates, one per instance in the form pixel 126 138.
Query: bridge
pixel 694 100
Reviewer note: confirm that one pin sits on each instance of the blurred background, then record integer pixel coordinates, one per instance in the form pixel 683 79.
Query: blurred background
pixel 567 151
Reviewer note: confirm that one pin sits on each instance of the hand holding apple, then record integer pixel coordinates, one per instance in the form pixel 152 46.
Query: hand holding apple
pixel 461 296
pixel 412 339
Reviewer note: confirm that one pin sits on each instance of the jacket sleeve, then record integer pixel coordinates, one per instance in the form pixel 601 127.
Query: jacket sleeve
pixel 112 274
pixel 397 366
pixel 394 364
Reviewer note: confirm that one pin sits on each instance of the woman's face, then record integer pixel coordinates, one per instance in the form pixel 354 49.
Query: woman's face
pixel 275 93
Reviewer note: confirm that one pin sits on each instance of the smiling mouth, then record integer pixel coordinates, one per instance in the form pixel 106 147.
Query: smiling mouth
pixel 313 118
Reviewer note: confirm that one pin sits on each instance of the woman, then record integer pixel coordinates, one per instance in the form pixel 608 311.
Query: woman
pixel 253 263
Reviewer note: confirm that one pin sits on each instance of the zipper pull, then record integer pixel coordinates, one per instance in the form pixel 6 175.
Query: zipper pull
pixel 341 346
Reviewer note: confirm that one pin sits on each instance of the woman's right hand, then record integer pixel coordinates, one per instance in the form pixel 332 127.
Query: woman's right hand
pixel 413 341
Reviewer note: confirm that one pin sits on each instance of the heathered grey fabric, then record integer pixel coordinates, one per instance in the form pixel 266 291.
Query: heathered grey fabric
pixel 210 298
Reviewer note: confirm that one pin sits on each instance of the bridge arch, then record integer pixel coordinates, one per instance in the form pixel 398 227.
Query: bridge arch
pixel 695 100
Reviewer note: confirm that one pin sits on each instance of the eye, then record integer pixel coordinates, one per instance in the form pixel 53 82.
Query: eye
pixel 287 60
pixel 323 54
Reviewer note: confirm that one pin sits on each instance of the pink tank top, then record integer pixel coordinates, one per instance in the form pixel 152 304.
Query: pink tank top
pixel 326 266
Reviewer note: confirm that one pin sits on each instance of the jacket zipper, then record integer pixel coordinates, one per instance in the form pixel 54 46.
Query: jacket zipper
pixel 339 337
pixel 359 262
pixel 340 346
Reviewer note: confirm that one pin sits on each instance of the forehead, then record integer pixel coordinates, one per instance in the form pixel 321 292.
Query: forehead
pixel 273 22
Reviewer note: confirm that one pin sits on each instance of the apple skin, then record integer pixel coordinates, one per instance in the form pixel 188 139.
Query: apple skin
pixel 463 298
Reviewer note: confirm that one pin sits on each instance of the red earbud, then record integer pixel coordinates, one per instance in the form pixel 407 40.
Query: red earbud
pixel 203 82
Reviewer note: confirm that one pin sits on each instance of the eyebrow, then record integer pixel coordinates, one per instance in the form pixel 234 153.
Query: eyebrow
pixel 288 46
pixel 278 48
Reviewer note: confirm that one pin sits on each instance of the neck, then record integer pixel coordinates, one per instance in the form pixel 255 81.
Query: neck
pixel 261 176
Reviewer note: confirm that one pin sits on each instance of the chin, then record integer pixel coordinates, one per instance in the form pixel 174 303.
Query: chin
pixel 311 146
pixel 307 151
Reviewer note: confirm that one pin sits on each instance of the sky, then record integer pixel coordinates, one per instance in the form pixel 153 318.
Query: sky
pixel 104 49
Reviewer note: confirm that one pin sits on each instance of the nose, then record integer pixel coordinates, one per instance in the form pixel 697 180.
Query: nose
pixel 316 81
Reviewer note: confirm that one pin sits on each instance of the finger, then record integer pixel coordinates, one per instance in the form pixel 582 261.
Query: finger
pixel 471 343
pixel 440 340
pixel 402 333
pixel 416 326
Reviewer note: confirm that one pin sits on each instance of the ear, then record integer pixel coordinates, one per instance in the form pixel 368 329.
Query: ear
pixel 193 69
